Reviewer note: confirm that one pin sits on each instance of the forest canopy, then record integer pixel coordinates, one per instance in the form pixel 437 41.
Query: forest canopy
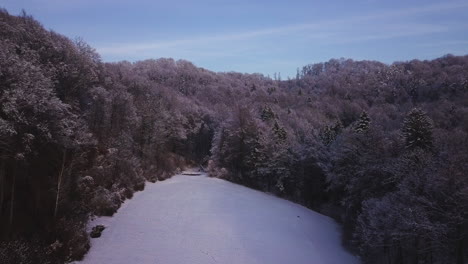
pixel 381 148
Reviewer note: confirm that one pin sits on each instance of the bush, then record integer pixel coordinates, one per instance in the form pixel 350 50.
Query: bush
pixel 72 240
pixel 105 202
pixel 23 251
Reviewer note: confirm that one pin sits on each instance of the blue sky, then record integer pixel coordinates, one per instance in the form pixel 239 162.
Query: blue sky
pixel 258 36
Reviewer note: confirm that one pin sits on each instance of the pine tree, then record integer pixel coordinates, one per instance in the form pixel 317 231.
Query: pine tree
pixel 363 123
pixel 417 130
pixel 279 132
pixel 329 133
pixel 267 113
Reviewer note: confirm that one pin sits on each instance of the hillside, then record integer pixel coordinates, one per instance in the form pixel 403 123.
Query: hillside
pixel 380 148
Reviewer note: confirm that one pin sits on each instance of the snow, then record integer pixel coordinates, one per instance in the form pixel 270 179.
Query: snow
pixel 197 219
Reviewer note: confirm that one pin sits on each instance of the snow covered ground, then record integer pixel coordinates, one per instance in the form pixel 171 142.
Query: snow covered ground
pixel 201 220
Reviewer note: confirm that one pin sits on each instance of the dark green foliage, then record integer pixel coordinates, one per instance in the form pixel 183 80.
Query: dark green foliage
pixel 267 113
pixel 417 130
pixel 329 133
pixel 271 90
pixel 363 123
pixel 96 231
pixel 279 132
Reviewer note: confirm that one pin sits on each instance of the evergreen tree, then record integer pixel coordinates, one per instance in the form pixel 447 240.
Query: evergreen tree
pixel 329 133
pixel 253 88
pixel 279 132
pixel 363 123
pixel 417 130
pixel 267 113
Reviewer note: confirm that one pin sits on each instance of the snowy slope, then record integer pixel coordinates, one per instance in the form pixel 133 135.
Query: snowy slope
pixel 196 219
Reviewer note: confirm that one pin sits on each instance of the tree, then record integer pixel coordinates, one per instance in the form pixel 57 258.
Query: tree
pixel 78 136
pixel 363 123
pixel 329 133
pixel 417 130
pixel 279 132
pixel 235 144
pixel 267 113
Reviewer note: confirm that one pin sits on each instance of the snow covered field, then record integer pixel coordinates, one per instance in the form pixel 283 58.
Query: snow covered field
pixel 200 220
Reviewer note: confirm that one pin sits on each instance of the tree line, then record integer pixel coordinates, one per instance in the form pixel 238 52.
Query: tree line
pixel 381 148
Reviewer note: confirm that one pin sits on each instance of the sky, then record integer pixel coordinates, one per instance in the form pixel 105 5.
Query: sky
pixel 258 36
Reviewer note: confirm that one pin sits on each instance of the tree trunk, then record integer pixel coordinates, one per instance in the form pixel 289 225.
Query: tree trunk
pixel 387 254
pixel 399 258
pixel 460 249
pixel 416 250
pixel 59 183
pixel 2 182
pixel 12 204
pixel 428 255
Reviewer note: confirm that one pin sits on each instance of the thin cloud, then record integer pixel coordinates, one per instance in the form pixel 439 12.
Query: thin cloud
pixel 393 32
pixel 420 10
pixel 444 43
pixel 134 48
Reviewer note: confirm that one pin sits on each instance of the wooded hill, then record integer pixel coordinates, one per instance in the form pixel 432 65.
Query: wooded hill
pixel 381 148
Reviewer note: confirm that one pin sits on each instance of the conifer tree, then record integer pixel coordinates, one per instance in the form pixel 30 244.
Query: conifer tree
pixel 363 123
pixel 267 113
pixel 279 132
pixel 417 130
pixel 329 133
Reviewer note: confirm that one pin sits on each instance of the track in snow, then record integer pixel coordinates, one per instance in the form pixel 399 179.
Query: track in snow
pixel 201 220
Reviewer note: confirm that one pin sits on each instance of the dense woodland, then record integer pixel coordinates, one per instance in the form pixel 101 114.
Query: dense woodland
pixel 381 148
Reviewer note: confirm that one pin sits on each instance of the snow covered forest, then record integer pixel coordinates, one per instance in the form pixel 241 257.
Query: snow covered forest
pixel 383 149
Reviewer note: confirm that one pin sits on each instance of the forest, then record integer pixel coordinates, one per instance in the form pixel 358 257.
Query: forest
pixel 381 148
